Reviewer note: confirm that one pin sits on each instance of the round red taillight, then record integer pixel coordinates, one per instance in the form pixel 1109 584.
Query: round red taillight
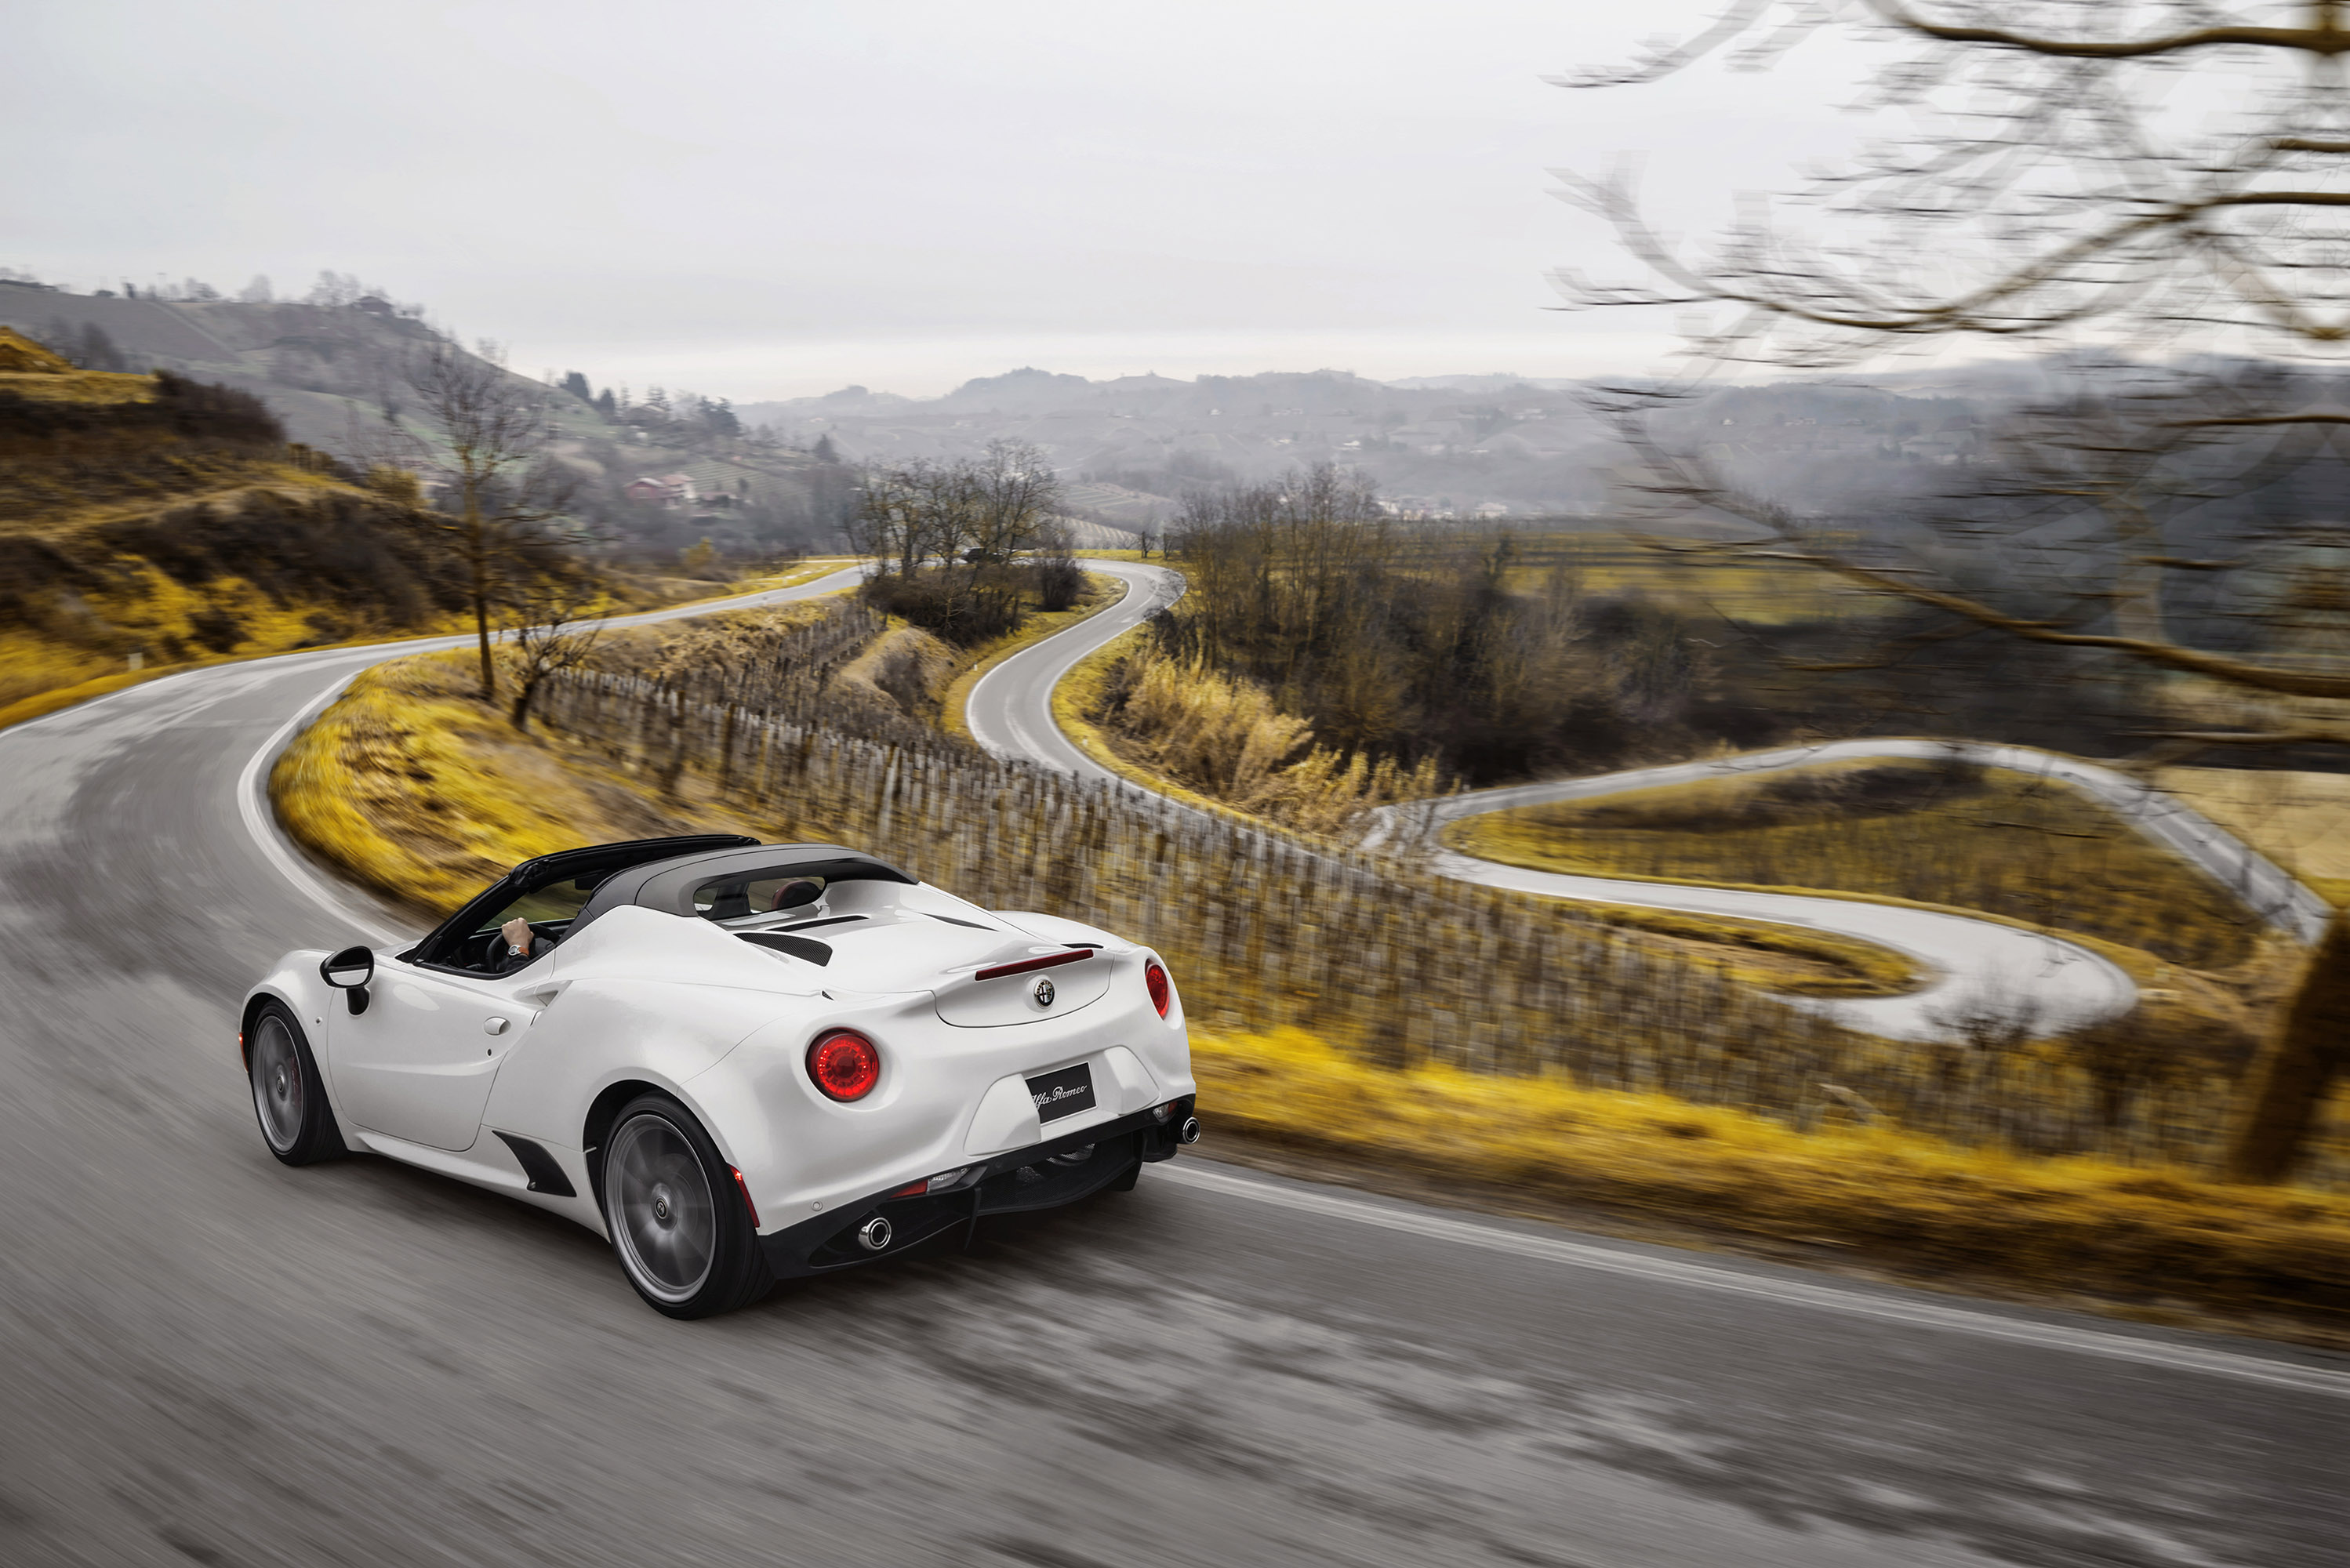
pixel 844 1065
pixel 1162 991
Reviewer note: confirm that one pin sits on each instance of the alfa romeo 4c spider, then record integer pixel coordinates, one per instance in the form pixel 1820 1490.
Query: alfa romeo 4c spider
pixel 739 1061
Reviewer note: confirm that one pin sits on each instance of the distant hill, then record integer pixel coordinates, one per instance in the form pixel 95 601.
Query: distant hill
pixel 1128 449
pixel 334 373
pixel 1493 446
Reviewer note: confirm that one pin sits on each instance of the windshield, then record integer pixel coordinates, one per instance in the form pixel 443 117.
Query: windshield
pixel 554 901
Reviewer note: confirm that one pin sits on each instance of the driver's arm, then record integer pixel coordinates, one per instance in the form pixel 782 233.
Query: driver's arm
pixel 521 944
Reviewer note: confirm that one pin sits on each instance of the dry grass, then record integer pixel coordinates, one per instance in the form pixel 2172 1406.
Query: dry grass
pixel 1082 694
pixel 2148 1237
pixel 2005 843
pixel 142 609
pixel 906 670
pixel 79 386
pixel 416 788
pixel 2300 820
pixel 1223 736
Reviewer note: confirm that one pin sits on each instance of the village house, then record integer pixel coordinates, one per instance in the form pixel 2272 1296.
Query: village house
pixel 670 490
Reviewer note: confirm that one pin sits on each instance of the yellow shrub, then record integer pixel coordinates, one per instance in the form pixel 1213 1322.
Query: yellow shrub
pixel 1226 738
pixel 1893 1195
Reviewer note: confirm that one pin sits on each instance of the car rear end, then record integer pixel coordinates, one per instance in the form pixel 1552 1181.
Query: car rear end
pixel 1026 1073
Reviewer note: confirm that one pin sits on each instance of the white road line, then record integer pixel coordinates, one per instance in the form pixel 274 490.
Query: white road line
pixel 253 805
pixel 2165 1354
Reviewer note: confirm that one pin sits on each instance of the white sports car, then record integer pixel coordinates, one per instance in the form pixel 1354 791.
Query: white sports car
pixel 739 1061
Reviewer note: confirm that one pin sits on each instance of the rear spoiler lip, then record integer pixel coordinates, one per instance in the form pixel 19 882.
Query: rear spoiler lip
pixel 1048 960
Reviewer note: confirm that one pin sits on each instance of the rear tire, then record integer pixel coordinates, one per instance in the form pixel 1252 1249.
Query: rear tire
pixel 680 1226
pixel 288 1097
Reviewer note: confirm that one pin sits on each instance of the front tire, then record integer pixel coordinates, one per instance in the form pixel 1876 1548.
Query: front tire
pixel 288 1098
pixel 680 1226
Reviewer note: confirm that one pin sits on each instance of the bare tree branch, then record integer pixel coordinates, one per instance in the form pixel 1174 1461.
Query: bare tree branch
pixel 2324 37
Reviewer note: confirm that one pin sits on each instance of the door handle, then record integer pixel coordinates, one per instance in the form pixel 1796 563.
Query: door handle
pixel 494 1026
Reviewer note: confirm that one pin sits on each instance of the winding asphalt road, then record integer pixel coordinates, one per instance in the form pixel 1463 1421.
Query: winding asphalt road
pixel 1972 967
pixel 208 1358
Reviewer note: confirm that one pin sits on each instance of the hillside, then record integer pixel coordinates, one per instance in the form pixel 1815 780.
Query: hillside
pixel 334 375
pixel 151 521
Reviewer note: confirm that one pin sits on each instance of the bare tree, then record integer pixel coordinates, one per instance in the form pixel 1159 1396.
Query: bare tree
pixel 2056 194
pixel 553 625
pixel 497 488
pixel 1011 494
pixel 2061 178
pixel 962 526
pixel 900 519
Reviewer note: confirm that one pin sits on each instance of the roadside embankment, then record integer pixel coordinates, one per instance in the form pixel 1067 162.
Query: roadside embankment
pixel 2154 1243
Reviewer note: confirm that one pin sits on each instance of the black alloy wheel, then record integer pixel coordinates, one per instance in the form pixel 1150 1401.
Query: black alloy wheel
pixel 288 1097
pixel 678 1224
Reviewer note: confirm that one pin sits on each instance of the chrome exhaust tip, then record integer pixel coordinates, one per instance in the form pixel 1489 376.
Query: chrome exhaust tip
pixel 874 1234
pixel 1190 1131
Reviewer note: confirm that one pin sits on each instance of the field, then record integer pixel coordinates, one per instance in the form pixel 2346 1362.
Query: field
pixel 2003 842
pixel 2300 820
pixel 1766 593
pixel 1761 593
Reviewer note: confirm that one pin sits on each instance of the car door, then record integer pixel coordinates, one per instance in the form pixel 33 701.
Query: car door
pixel 419 1062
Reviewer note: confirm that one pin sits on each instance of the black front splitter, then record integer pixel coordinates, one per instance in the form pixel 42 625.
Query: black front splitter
pixel 1016 1181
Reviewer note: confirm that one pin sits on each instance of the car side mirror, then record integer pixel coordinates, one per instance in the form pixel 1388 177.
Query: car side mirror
pixel 349 971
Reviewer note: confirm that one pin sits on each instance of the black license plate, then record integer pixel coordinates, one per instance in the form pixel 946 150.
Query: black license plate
pixel 1064 1093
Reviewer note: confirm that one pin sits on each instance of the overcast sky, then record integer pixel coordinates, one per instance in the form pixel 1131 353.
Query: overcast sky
pixel 764 198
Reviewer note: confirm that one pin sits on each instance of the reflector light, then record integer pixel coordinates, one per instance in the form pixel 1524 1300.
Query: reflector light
pixel 844 1065
pixel 745 1189
pixel 1162 991
pixel 945 1181
pixel 1024 965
